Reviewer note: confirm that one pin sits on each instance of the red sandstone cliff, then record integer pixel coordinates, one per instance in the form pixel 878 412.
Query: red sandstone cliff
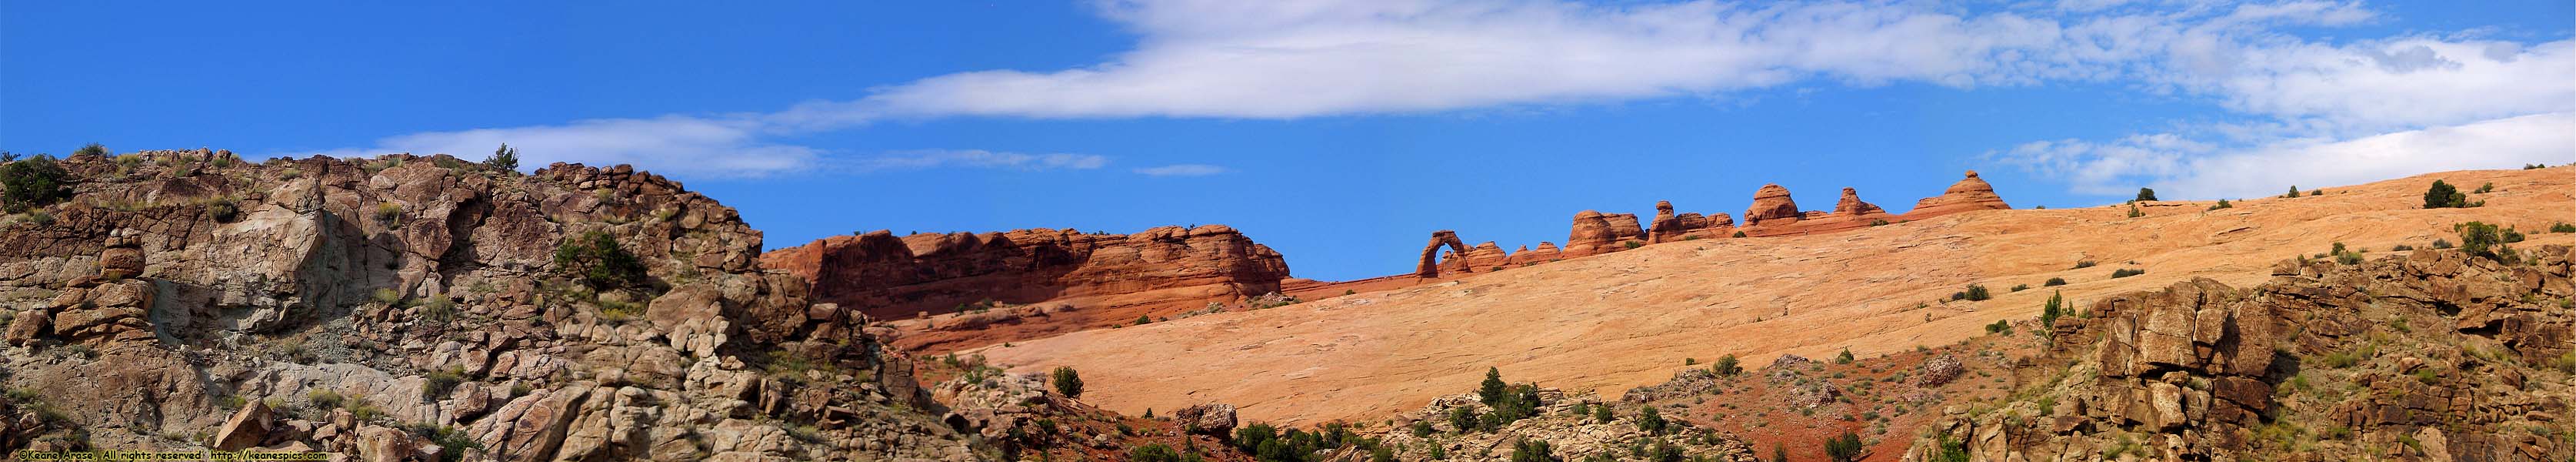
pixel 894 277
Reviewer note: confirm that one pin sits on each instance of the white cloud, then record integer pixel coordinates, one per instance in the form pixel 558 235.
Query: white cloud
pixel 1286 60
pixel 671 144
pixel 973 158
pixel 2180 168
pixel 1182 170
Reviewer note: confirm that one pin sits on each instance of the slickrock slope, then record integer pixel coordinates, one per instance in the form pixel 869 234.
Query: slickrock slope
pixel 413 308
pixel 895 277
pixel 1615 321
pixel 2432 355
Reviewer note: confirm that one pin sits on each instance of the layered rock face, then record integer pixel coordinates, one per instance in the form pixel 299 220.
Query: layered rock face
pixel 1969 194
pixel 887 276
pixel 345 305
pixel 1671 227
pixel 2434 355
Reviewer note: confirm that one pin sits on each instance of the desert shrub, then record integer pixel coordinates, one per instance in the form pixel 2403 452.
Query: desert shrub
pixel 2401 248
pixel 436 384
pixel 386 296
pixel 2483 240
pixel 1529 450
pixel 1845 448
pixel 2020 287
pixel 2083 264
pixel 2562 227
pixel 2485 188
pixel 92 149
pixel 598 261
pixel 2134 213
pixel 2145 194
pixel 1726 366
pixel 1422 429
pixel 1633 244
pixel 1843 358
pixel 2054 282
pixel 1143 320
pixel 1976 293
pixel 2222 204
pixel 1878 222
pixel 1952 450
pixel 1067 382
pixel 2000 327
pixel 324 399
pixel 2055 307
pixel 2294 193
pixel 2126 272
pixel 1463 419
pixel 2348 258
pixel 2443 195
pixel 2534 166
pixel 388 211
pixel 1739 234
pixel 1651 421
pixel 1156 452
pixel 506 158
pixel 33 182
pixel 2441 244
pixel 223 210
pixel 1602 414
pixel 439 308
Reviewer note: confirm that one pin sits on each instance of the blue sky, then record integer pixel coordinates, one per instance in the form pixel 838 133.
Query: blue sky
pixel 1339 132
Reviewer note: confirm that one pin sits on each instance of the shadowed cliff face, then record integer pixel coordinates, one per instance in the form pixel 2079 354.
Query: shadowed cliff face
pixel 188 299
pixel 896 277
pixel 2430 355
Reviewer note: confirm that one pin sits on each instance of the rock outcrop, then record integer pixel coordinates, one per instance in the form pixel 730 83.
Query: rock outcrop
pixel 2434 355
pixel 1969 194
pixel 1568 434
pixel 1672 227
pixel 1771 204
pixel 412 307
pixel 880 274
pixel 1596 233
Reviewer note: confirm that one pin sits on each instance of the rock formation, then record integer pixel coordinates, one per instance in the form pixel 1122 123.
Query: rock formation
pixel 2435 355
pixel 1969 194
pixel 1671 227
pixel 186 292
pixel 1770 204
pixel 1597 233
pixel 1430 266
pixel 882 275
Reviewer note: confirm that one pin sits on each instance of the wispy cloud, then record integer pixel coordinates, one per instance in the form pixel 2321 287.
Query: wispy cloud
pixel 1287 60
pixel 976 158
pixel 1182 170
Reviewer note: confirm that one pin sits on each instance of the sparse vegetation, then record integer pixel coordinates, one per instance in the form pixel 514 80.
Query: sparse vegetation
pixel 506 158
pixel 2083 264
pixel 1975 293
pixel 435 385
pixel 2443 195
pixel 1843 358
pixel 2484 188
pixel 2001 326
pixel 2483 240
pixel 2126 272
pixel 2133 211
pixel 1726 366
pixel 1845 448
pixel 598 261
pixel 2145 194
pixel 2562 227
pixel 2294 193
pixel 2054 282
pixel 32 182
pixel 1067 382
pixel 2020 287
pixel 1739 234
pixel 2222 204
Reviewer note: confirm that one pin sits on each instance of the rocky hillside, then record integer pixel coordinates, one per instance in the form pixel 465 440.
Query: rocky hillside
pixel 1608 323
pixel 425 308
pixel 2430 355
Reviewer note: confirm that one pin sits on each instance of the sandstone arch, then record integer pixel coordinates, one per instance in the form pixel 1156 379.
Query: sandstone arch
pixel 1430 266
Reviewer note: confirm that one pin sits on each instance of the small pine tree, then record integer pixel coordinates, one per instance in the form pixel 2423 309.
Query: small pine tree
pixel 1843 358
pixel 1491 391
pixel 1143 320
pixel 2294 192
pixel 2145 194
pixel 92 149
pixel 1651 420
pixel 506 158
pixel 596 259
pixel 2133 211
pixel 1067 382
pixel 2056 307
pixel 32 183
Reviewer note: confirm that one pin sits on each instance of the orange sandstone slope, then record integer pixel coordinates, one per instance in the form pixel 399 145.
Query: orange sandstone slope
pixel 1614 321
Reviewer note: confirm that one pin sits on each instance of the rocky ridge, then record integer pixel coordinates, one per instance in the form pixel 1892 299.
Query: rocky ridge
pixel 2432 355
pixel 411 308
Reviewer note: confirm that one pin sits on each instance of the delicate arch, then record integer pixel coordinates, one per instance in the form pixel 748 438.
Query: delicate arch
pixel 1430 266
